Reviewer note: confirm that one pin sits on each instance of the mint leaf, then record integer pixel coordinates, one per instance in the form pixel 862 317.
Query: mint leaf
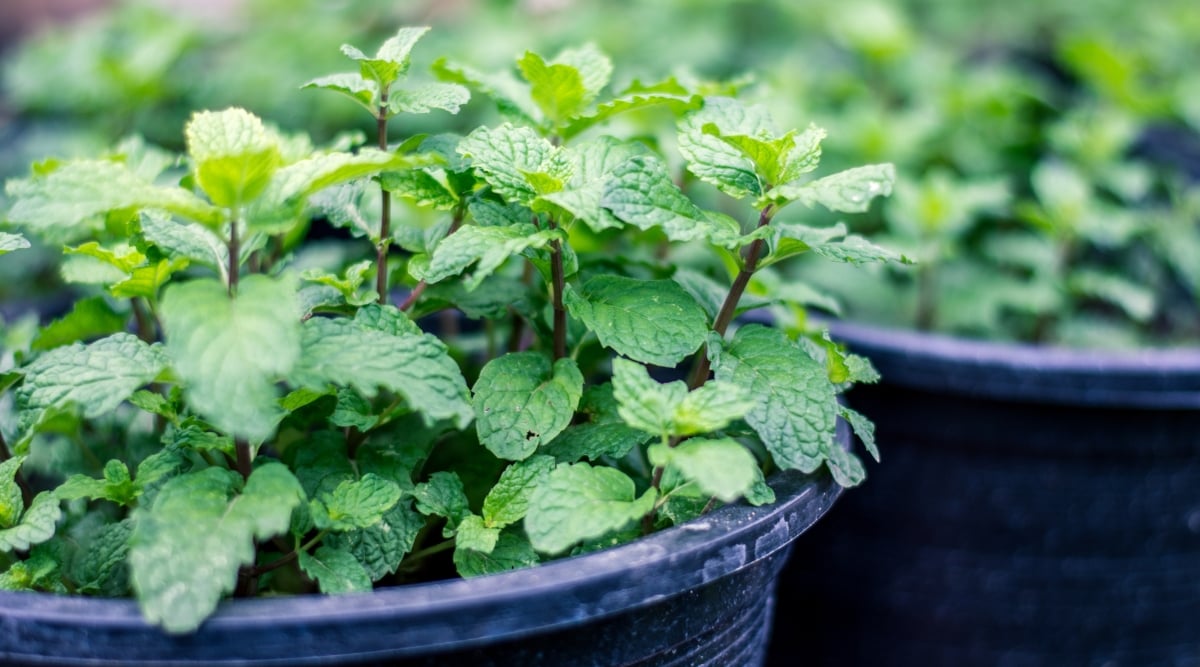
pixel 69 201
pixel 100 567
pixel 12 242
pixel 145 281
pixel 505 155
pixel 297 181
pixel 511 95
pixel 37 524
pixel 796 409
pixel 189 241
pixel 670 409
pixel 443 496
pixel 712 159
pixel 592 166
pixel 366 354
pixel 721 468
pixel 380 548
pixel 638 96
pixel 641 193
pixel 849 191
pixel 352 85
pixel 229 353
pixel 653 321
pixel 485 248
pixel 508 501
pixel 522 401
pixel 475 535
pixel 89 318
pixel 1135 300
pixel 116 486
pixel 96 377
pixel 355 503
pixel 846 468
pixel 391 61
pixel 578 502
pixel 233 154
pixel 428 97
pixel 321 464
pixel 40 572
pixel 863 427
pixel 186 547
pixel 12 504
pixel 557 89
pixel 335 571
pixel 512 551
pixel 594 441
pixel 348 286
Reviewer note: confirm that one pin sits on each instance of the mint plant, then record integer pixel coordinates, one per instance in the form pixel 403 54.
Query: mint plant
pixel 227 411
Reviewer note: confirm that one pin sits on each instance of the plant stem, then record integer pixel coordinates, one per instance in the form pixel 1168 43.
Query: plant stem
pixel 926 297
pixel 385 205
pixel 288 557
pixel 560 312
pixel 244 458
pixel 235 250
pixel 708 507
pixel 729 307
pixel 429 551
pixel 145 324
pixel 412 297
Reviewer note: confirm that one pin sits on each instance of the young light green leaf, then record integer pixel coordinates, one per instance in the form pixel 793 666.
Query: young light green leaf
pixel 37 524
pixel 849 191
pixel 298 180
pixel 355 504
pixel 652 321
pixel 145 281
pixel 593 164
pixel 510 94
pixel 229 353
pixel 335 571
pixel 669 409
pixel 641 193
pixel 484 247
pixel 11 242
pixel 348 285
pixel 67 202
pixel 351 84
pixel 96 377
pixel 522 401
pixel 380 548
pixel 443 496
pixel 863 427
pixel 39 572
pixel 428 97
pixel 364 353
pixel 713 160
pixel 578 502
pixel 709 407
pixel 508 501
pixel 512 552
pixel 116 486
pixel 90 318
pixel 721 468
pixel 12 503
pixel 557 89
pixel 233 154
pixel 504 156
pixel 187 546
pixel 796 410
pixel 474 535
pixel 391 61
pixel 638 96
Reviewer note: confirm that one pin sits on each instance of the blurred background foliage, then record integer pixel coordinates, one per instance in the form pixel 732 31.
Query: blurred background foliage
pixel 1048 152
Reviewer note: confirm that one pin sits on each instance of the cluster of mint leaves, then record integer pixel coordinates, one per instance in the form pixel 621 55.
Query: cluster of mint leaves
pixel 245 425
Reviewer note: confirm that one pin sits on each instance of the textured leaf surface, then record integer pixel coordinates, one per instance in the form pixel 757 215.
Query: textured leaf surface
pixel 101 567
pixel 578 502
pixel 721 468
pixel 443 496
pixel 670 409
pixel 373 351
pixel 557 89
pixel 233 153
pixel 475 535
pixel 521 401
pixel 593 165
pixel 712 159
pixel 428 97
pixel 12 504
pixel 36 526
pixel 381 547
pixel 350 84
pixel 506 154
pixel 335 571
pixel 89 318
pixel 849 191
pixel 355 503
pixel 303 178
pixel 512 552
pixel 391 60
pixel 187 547
pixel 189 241
pixel 231 352
pixel 116 485
pixel 796 409
pixel 653 321
pixel 638 96
pixel 96 377
pixel 485 248
pixel 508 501
pixel 593 441
pixel 64 203
pixel 863 427
pixel 641 193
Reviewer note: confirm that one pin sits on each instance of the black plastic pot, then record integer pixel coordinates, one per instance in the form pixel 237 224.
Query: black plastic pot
pixel 698 594
pixel 1033 507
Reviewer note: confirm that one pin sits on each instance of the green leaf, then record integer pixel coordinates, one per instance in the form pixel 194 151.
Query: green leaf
pixel 557 89
pixel 380 548
pixel 670 409
pixel 796 409
pixel 846 468
pixel 508 501
pixel 189 241
pixel 712 159
pixel 36 526
pixel 863 427
pixel 592 167
pixel 298 180
pixel 723 468
pixel 368 353
pixel 90 318
pixel 352 85
pixel 96 377
pixel 849 191
pixel 391 61
pixel 638 96
pixel 511 95
pixel 11 242
pixel 145 281
pixel 443 496
pixel 485 248
pixel 653 321
pixel 348 285
pixel 511 552
pixel 229 353
pixel 116 486
pixel 233 154
pixel 474 535
pixel 641 193
pixel 335 571
pixel 12 504
pixel 355 503
pixel 522 401
pixel 39 572
pixel 594 441
pixel 578 502
pixel 186 547
pixel 1137 301
pixel 428 97
pixel 101 566
pixel 503 156
pixel 68 202
pixel 832 243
